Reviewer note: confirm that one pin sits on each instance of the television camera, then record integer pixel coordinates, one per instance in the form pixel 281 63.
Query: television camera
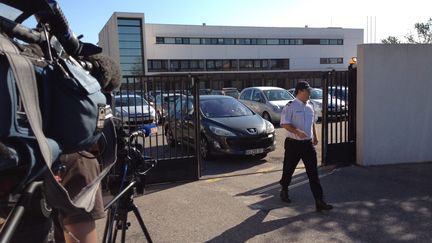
pixel 61 63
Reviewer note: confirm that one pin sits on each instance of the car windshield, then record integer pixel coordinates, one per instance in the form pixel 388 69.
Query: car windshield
pixel 228 107
pixel 130 101
pixel 316 94
pixel 278 94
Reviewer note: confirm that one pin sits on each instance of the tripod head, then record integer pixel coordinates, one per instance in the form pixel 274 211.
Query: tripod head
pixel 132 165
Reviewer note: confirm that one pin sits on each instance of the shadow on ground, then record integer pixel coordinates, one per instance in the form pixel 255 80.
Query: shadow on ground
pixel 373 204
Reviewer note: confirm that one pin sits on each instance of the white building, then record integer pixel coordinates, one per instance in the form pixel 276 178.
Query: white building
pixel 227 55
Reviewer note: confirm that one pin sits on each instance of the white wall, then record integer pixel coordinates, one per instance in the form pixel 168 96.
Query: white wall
pixel 394 104
pixel 302 57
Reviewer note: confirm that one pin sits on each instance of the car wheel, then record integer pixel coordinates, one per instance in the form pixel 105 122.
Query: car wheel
pixel 170 137
pixel 266 116
pixel 204 148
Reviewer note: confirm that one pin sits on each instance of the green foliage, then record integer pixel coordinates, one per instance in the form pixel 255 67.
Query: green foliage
pixel 424 33
pixel 391 40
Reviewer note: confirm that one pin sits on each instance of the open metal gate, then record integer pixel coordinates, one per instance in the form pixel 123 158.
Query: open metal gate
pixel 339 117
pixel 159 101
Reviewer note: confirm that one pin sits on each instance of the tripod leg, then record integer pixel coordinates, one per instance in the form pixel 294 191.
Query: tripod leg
pixel 141 222
pixel 107 237
pixel 124 227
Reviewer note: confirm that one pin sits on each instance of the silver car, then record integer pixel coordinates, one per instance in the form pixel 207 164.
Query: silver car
pixel 336 106
pixel 266 101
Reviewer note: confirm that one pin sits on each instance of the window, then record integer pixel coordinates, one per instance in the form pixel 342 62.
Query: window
pixel 169 40
pixel 333 42
pixel 130 44
pixel 229 41
pixel 272 42
pixel 261 42
pixel 160 40
pixel 129 30
pixel 324 42
pixel 178 40
pixel 311 41
pixel 246 64
pixel 130 52
pixel 195 41
pixel 185 41
pixel 246 95
pixel 279 64
pixel 257 96
pixel 130 22
pixel 129 37
pixel 175 65
pixel 257 64
pixel 210 64
pixel 332 60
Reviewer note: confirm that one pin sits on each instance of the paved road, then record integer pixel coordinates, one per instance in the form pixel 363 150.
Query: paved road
pixel 237 201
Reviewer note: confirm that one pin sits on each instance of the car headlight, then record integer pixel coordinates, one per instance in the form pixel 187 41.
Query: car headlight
pixel 269 127
pixel 276 108
pixel 221 132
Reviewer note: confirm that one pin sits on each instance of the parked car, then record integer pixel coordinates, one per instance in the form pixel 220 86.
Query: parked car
pixel 205 91
pixel 340 92
pixel 266 101
pixel 133 110
pixel 164 102
pixel 335 106
pixel 233 92
pixel 227 127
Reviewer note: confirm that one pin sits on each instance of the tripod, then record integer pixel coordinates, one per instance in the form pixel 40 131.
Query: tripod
pixel 117 216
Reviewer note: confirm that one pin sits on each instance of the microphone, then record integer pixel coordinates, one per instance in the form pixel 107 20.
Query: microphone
pixel 106 71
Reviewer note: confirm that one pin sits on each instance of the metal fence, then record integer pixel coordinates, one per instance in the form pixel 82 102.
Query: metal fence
pixel 158 101
pixel 339 117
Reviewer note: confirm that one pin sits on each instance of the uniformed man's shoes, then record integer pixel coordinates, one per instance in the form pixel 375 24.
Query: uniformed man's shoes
pixel 284 195
pixel 322 206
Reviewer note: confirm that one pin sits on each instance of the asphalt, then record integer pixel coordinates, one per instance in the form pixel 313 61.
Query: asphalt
pixel 371 204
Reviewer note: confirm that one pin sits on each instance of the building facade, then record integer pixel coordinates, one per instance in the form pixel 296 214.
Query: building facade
pixel 227 55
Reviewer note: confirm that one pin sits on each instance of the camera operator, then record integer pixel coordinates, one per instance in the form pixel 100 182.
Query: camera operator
pixel 80 169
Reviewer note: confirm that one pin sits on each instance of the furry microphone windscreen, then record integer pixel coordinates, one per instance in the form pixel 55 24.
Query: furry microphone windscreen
pixel 106 71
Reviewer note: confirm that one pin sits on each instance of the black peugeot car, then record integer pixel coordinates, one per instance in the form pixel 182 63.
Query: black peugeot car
pixel 227 127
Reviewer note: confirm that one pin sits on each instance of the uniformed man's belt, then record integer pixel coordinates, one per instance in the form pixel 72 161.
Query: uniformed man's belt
pixel 299 141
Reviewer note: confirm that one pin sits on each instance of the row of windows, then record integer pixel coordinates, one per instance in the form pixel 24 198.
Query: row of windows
pixel 245 41
pixel 332 60
pixel 226 64
pixel 217 65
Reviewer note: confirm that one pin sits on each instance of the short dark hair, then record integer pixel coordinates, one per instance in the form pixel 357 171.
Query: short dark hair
pixel 301 86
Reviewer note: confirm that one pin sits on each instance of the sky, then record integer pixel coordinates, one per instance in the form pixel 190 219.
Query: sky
pixel 396 18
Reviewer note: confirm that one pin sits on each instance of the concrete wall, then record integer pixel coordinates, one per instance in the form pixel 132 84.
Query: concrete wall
pixel 394 104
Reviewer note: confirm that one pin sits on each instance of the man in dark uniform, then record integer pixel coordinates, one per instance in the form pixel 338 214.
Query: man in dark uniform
pixel 298 119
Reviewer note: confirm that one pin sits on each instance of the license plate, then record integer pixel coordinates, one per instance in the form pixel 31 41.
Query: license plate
pixel 254 151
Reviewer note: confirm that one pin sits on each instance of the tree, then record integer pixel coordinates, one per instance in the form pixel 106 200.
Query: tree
pixel 424 33
pixel 391 40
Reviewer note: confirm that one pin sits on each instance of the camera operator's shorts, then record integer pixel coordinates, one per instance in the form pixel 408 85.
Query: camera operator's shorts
pixel 79 172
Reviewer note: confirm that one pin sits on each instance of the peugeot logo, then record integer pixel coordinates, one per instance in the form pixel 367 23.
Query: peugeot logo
pixel 252 131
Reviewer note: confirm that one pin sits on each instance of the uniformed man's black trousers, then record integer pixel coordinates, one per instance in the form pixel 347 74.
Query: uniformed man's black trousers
pixel 294 151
